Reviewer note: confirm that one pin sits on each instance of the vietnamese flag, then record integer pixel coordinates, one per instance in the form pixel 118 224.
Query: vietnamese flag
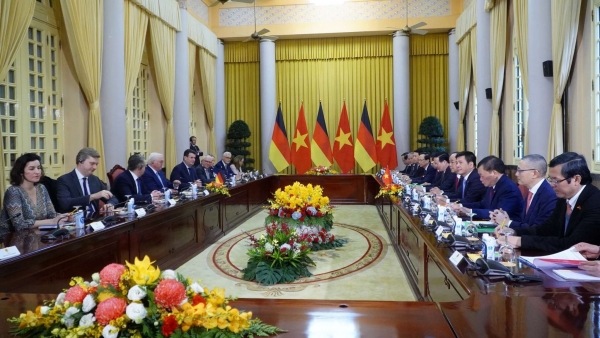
pixel 320 148
pixel 386 144
pixel 387 176
pixel 279 151
pixel 365 152
pixel 343 149
pixel 301 145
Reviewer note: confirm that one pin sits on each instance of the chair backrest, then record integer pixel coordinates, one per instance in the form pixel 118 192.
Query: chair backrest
pixel 113 173
pixel 50 185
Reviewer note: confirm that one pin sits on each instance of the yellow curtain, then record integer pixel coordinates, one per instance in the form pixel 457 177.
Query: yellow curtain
pixel 565 24
pixel 162 39
pixel 208 83
pixel 242 92
pixel 191 75
pixel 428 82
pixel 473 38
pixel 15 17
pixel 332 70
pixel 84 24
pixel 464 85
pixel 136 24
pixel 521 33
pixel 498 18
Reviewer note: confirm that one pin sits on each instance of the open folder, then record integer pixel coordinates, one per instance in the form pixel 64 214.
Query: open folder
pixel 566 258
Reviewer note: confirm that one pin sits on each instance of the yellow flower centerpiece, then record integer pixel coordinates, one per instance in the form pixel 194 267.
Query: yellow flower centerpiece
pixel 218 188
pixel 391 190
pixel 137 300
pixel 321 170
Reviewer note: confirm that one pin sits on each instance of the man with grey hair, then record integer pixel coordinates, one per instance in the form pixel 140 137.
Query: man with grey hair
pixel 154 178
pixel 541 198
pixel 205 171
pixel 224 167
pixel 129 183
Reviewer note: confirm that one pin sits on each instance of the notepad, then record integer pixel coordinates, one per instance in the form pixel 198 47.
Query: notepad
pixel 567 257
pixel 576 275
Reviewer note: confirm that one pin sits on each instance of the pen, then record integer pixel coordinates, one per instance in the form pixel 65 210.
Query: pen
pixel 502 225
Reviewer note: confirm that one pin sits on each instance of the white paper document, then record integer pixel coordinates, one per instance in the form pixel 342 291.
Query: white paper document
pixel 569 257
pixel 576 275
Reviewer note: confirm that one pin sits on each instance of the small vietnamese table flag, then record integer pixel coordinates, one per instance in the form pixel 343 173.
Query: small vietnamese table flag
pixel 365 152
pixel 320 148
pixel 386 144
pixel 343 149
pixel 301 145
pixel 279 151
pixel 387 176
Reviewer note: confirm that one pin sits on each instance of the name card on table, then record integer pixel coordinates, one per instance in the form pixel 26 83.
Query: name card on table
pixel 171 201
pixel 456 258
pixel 427 218
pixel 97 226
pixel 206 192
pixel 439 230
pixel 140 212
pixel 9 252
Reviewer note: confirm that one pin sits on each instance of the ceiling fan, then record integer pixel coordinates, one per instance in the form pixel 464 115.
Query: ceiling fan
pixel 257 36
pixel 412 29
pixel 226 1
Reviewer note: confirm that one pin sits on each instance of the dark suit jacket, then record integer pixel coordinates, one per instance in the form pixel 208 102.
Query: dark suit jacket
pixel 505 195
pixel 152 182
pixel 124 184
pixel 427 175
pixel 445 181
pixel 474 189
pixel 542 205
pixel 583 225
pixel 224 169
pixel 202 175
pixel 69 193
pixel 198 153
pixel 417 171
pixel 181 173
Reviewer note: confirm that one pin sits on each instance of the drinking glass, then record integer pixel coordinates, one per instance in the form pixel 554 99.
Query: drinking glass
pixel 507 251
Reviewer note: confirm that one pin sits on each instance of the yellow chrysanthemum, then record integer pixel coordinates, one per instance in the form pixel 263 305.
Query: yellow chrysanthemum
pixel 142 272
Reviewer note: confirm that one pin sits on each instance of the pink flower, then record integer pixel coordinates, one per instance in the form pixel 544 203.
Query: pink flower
pixel 169 293
pixel 75 294
pixel 110 309
pixel 111 274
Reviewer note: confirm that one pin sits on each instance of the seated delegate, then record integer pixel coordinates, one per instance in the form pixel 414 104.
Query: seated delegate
pixel 26 202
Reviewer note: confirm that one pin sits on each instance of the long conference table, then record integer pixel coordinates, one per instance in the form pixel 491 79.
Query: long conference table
pixel 451 300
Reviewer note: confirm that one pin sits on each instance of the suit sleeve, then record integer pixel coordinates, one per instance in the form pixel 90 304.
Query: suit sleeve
pixel 475 191
pixel 547 205
pixel 65 193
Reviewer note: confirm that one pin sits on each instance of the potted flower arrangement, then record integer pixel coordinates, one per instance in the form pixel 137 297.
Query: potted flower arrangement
pixel 391 190
pixel 218 188
pixel 280 256
pixel 321 170
pixel 136 300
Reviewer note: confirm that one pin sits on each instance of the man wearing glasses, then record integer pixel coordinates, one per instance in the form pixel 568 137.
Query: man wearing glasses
pixel 224 166
pixel 576 217
pixel 541 199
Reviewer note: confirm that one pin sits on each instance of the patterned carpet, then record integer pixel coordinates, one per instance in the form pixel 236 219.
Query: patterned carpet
pixel 365 268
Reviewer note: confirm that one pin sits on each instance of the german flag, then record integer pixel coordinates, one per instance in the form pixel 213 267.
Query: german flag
pixel 279 151
pixel 301 145
pixel 386 144
pixel 365 152
pixel 320 148
pixel 219 179
pixel 343 149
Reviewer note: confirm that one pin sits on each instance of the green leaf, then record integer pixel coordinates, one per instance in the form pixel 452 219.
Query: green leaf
pixel 266 275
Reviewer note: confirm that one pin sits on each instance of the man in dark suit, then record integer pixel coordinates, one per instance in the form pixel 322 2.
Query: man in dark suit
pixel 541 199
pixel 81 188
pixel 224 166
pixel 446 177
pixel 185 172
pixel 129 182
pixel 502 192
pixel 576 217
pixel 196 150
pixel 454 178
pixel 427 174
pixel 154 178
pixel 406 162
pixel 469 188
pixel 416 170
pixel 205 171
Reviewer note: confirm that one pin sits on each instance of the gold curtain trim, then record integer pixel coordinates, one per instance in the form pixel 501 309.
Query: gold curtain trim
pixel 236 52
pixel 165 10
pixel 333 48
pixel 430 44
pixel 201 36
pixel 466 21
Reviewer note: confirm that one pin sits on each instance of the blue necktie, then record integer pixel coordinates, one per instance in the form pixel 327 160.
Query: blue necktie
pixel 139 187
pixel 463 187
pixel 160 179
pixel 86 193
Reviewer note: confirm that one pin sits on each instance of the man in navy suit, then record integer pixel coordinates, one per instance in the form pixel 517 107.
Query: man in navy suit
pixel 446 177
pixel 502 192
pixel 576 216
pixel 81 188
pixel 406 162
pixel 154 178
pixel 185 172
pixel 205 170
pixel 541 199
pixel 129 182
pixel 469 188
pixel 427 172
pixel 224 166
pixel 454 178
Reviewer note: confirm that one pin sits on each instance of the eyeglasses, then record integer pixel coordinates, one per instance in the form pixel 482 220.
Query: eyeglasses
pixel 553 181
pixel 519 170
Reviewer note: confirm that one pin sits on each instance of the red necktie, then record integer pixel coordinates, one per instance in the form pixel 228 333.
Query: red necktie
pixel 456 183
pixel 529 197
pixel 569 210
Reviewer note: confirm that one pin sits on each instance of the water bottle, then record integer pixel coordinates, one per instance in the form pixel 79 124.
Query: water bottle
pixel 233 180
pixel 167 195
pixel 79 224
pixel 458 228
pixel 490 248
pixel 130 206
pixel 484 240
pixel 194 190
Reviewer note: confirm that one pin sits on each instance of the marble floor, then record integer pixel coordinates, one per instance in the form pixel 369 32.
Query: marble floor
pixel 365 268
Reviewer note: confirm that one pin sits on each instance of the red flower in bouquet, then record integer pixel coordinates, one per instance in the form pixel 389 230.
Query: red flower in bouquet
pixel 110 309
pixel 169 325
pixel 169 293
pixel 197 299
pixel 75 294
pixel 111 274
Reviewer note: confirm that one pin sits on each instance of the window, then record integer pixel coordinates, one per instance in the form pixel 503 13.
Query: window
pixel 519 106
pixel 596 84
pixel 30 97
pixel 139 113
